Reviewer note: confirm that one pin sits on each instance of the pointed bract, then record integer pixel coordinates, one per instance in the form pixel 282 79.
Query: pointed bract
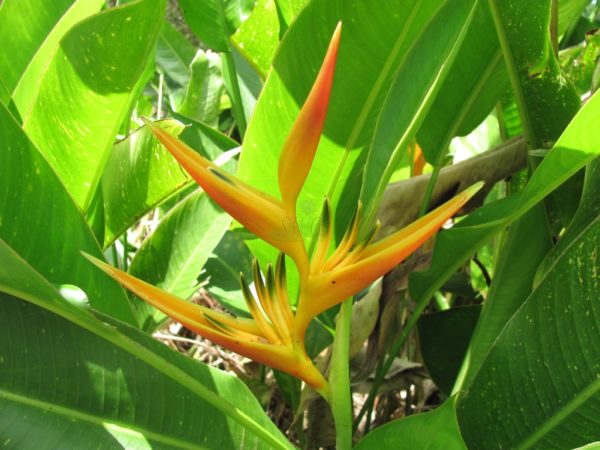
pixel 302 141
pixel 373 261
pixel 260 213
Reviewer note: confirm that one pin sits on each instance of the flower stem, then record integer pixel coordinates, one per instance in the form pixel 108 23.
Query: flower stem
pixel 430 188
pixel 340 396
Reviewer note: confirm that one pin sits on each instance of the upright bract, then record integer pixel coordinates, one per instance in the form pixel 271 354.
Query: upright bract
pixel 275 335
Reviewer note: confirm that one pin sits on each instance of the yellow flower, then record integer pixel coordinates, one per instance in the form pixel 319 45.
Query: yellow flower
pixel 275 334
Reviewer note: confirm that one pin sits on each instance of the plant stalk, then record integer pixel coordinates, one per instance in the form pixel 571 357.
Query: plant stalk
pixel 340 398
pixel 430 188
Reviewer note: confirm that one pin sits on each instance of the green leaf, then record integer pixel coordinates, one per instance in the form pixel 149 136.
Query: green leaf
pixel 69 374
pixel 568 12
pixel 173 256
pixel 258 37
pixel 399 120
pixel 579 62
pixel 86 92
pixel 202 97
pixel 140 174
pixel 539 385
pixel 444 338
pixel 222 272
pixel 207 141
pixel 30 31
pixel 369 56
pixel 41 222
pixel 433 430
pixel 4 94
pixel 213 21
pixel 588 210
pixel 174 54
pixel 579 144
pixel 512 283
pixel 473 86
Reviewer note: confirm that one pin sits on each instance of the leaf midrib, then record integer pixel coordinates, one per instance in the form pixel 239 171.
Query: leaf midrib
pixel 96 420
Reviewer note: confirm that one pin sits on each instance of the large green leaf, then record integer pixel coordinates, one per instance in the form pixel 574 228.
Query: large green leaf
pixel 579 144
pixel 30 31
pixel 399 121
pixel 213 21
pixel 588 210
pixel 41 222
pixel 173 256
pixel 86 92
pixel 433 430
pixel 474 84
pixel 370 54
pixel 65 374
pixel 512 283
pixel 539 386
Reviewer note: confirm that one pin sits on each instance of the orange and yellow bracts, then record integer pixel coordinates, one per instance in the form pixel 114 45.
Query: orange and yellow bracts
pixel 275 334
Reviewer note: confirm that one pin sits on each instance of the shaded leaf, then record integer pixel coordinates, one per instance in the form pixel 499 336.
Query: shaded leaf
pixel 433 53
pixel 473 86
pixel 174 54
pixel 433 430
pixel 512 282
pixel 444 338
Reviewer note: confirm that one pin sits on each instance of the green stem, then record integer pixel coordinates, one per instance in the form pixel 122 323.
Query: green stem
pixel 233 87
pixel 430 187
pixel 339 379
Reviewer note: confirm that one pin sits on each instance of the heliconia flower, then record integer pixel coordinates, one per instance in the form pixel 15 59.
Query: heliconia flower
pixel 275 334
